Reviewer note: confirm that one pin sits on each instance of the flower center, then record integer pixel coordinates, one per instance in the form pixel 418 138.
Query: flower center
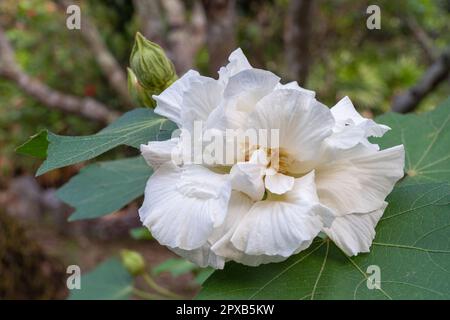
pixel 275 159
pixel 279 160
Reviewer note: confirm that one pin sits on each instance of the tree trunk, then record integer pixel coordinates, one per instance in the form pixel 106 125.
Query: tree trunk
pixel 297 38
pixel 149 14
pixel 220 16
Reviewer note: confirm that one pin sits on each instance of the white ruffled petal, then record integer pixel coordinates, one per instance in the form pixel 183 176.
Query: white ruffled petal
pixel 354 233
pixel 249 86
pixel 351 128
pixel 241 94
pixel 278 183
pixel 256 260
pixel 168 103
pixel 226 116
pixel 280 226
pixel 239 206
pixel 346 138
pixel 183 205
pixel 203 96
pixel 248 178
pixel 360 179
pixel 156 153
pixel 237 63
pixel 302 121
pixel 294 85
pixel 203 256
pixel 276 228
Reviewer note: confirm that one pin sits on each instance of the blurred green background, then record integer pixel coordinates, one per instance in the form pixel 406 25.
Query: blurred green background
pixel 341 57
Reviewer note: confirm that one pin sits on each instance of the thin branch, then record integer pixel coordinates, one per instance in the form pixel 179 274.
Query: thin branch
pixel 297 39
pixel 111 69
pixel 86 107
pixel 436 73
pixel 423 39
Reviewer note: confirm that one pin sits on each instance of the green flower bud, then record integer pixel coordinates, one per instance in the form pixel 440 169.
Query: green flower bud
pixel 138 93
pixel 133 262
pixel 154 71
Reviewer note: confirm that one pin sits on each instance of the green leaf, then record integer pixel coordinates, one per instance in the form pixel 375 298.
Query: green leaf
pixel 109 281
pixel 411 248
pixel 426 138
pixel 132 129
pixel 105 187
pixel 36 146
pixel 141 233
pixel 202 275
pixel 176 267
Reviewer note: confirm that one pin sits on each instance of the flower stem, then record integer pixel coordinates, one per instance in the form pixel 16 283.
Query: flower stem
pixel 152 284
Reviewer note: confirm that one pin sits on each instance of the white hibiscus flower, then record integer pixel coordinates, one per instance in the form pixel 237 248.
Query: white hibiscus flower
pixel 327 178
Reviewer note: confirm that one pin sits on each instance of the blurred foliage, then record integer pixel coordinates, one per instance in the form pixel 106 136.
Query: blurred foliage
pixel 177 267
pixel 27 272
pixel 140 233
pixel 370 66
pixel 45 49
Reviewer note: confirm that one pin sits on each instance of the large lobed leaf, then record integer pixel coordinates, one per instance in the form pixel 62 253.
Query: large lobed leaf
pixel 105 187
pixel 427 143
pixel 411 248
pixel 132 129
